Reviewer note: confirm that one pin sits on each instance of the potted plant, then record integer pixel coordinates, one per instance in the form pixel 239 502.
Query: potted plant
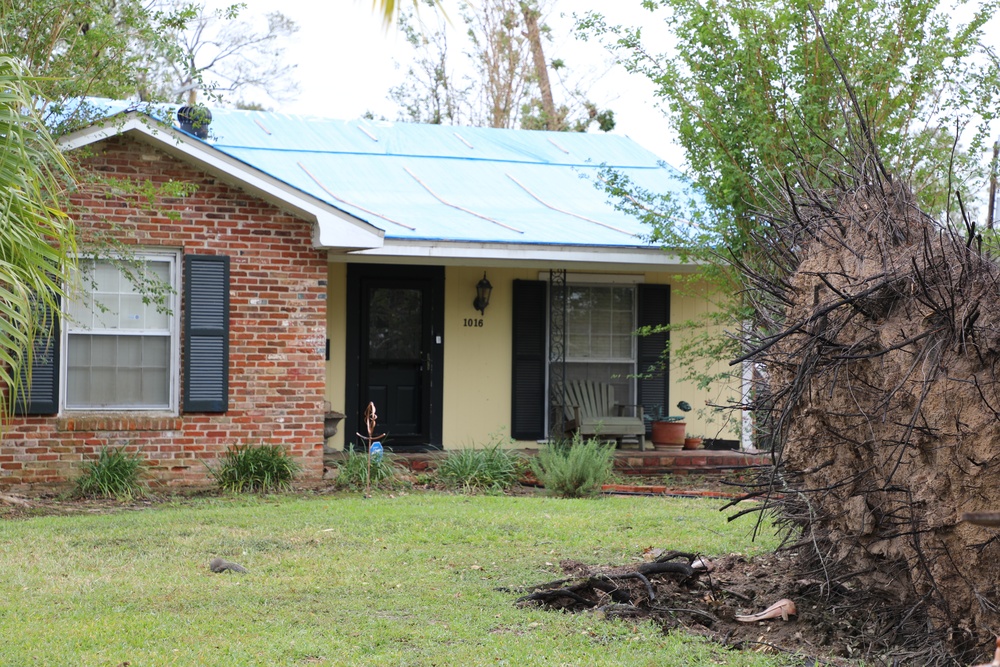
pixel 693 441
pixel 667 431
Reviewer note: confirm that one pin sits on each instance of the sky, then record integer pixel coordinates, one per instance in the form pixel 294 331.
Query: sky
pixel 346 63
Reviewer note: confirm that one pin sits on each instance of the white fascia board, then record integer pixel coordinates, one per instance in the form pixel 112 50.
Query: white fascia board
pixel 333 228
pixel 524 255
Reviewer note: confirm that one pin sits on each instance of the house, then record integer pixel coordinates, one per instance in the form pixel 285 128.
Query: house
pixel 321 263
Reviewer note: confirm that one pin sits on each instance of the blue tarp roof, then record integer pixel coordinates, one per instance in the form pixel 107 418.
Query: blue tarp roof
pixel 436 182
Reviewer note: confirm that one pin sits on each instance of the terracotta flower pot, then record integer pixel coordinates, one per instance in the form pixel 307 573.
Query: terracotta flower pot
pixel 692 443
pixel 668 433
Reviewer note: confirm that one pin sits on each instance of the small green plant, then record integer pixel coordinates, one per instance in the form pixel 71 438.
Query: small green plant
pixel 115 474
pixel 492 469
pixel 353 470
pixel 574 469
pixel 255 468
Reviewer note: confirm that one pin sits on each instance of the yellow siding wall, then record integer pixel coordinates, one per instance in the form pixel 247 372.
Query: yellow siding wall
pixel 336 331
pixel 690 302
pixel 477 359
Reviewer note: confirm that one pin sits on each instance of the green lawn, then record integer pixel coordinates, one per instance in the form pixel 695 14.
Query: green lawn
pixel 341 580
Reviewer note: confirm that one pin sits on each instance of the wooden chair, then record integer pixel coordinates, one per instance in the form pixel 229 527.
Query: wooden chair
pixel 591 410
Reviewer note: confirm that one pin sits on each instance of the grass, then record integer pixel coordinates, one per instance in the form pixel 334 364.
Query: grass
pixel 341 580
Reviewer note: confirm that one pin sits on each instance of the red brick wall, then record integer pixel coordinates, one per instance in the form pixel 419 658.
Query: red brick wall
pixel 276 339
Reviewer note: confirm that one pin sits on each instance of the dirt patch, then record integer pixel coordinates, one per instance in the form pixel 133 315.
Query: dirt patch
pixel 831 625
pixel 14 507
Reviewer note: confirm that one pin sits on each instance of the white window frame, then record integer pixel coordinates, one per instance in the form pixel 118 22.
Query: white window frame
pixel 173 298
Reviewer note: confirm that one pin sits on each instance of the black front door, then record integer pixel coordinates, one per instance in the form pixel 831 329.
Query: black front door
pixel 396 350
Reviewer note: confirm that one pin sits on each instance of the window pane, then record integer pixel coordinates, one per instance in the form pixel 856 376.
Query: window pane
pixel 600 321
pixel 600 347
pixel 155 352
pixel 101 388
pixel 159 270
pixel 394 324
pixel 155 387
pixel 106 278
pixel 81 356
pixel 128 382
pixel 129 351
pixel 105 311
pixel 578 346
pixel 118 371
pixel 80 312
pixel 132 310
pixel 601 298
pixel 622 347
pixel 104 351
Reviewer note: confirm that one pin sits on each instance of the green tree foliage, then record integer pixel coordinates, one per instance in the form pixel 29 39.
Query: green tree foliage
pixel 755 90
pixel 80 49
pixel 754 96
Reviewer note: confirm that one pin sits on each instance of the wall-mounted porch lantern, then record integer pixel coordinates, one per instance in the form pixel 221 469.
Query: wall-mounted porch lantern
pixel 483 291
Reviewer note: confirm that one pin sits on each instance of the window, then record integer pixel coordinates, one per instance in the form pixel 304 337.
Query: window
pixel 121 345
pixel 600 318
pixel 600 345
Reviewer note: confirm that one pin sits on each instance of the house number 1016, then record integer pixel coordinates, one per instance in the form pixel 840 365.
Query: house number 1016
pixel 473 322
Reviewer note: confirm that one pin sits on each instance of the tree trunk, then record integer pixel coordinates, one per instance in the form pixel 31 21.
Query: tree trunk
pixel 541 69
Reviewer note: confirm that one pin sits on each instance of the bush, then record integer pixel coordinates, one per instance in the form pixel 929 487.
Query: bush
pixel 253 468
pixel 574 469
pixel 492 469
pixel 115 474
pixel 353 470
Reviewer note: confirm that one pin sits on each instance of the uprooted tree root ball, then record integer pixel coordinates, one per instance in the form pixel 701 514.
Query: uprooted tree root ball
pixel 877 353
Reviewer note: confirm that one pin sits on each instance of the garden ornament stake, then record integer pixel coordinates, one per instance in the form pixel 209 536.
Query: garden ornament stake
pixel 370 441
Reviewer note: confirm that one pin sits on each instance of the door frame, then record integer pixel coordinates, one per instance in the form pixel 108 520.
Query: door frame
pixel 431 277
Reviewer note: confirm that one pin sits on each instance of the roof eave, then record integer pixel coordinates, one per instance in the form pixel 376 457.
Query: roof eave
pixel 333 229
pixel 644 258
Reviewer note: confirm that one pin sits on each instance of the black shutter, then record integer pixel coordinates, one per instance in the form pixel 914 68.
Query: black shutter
pixel 39 394
pixel 527 420
pixel 206 333
pixel 654 309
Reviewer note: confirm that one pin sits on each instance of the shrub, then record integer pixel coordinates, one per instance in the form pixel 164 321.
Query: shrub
pixel 574 469
pixel 250 468
pixel 353 470
pixel 115 474
pixel 492 469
